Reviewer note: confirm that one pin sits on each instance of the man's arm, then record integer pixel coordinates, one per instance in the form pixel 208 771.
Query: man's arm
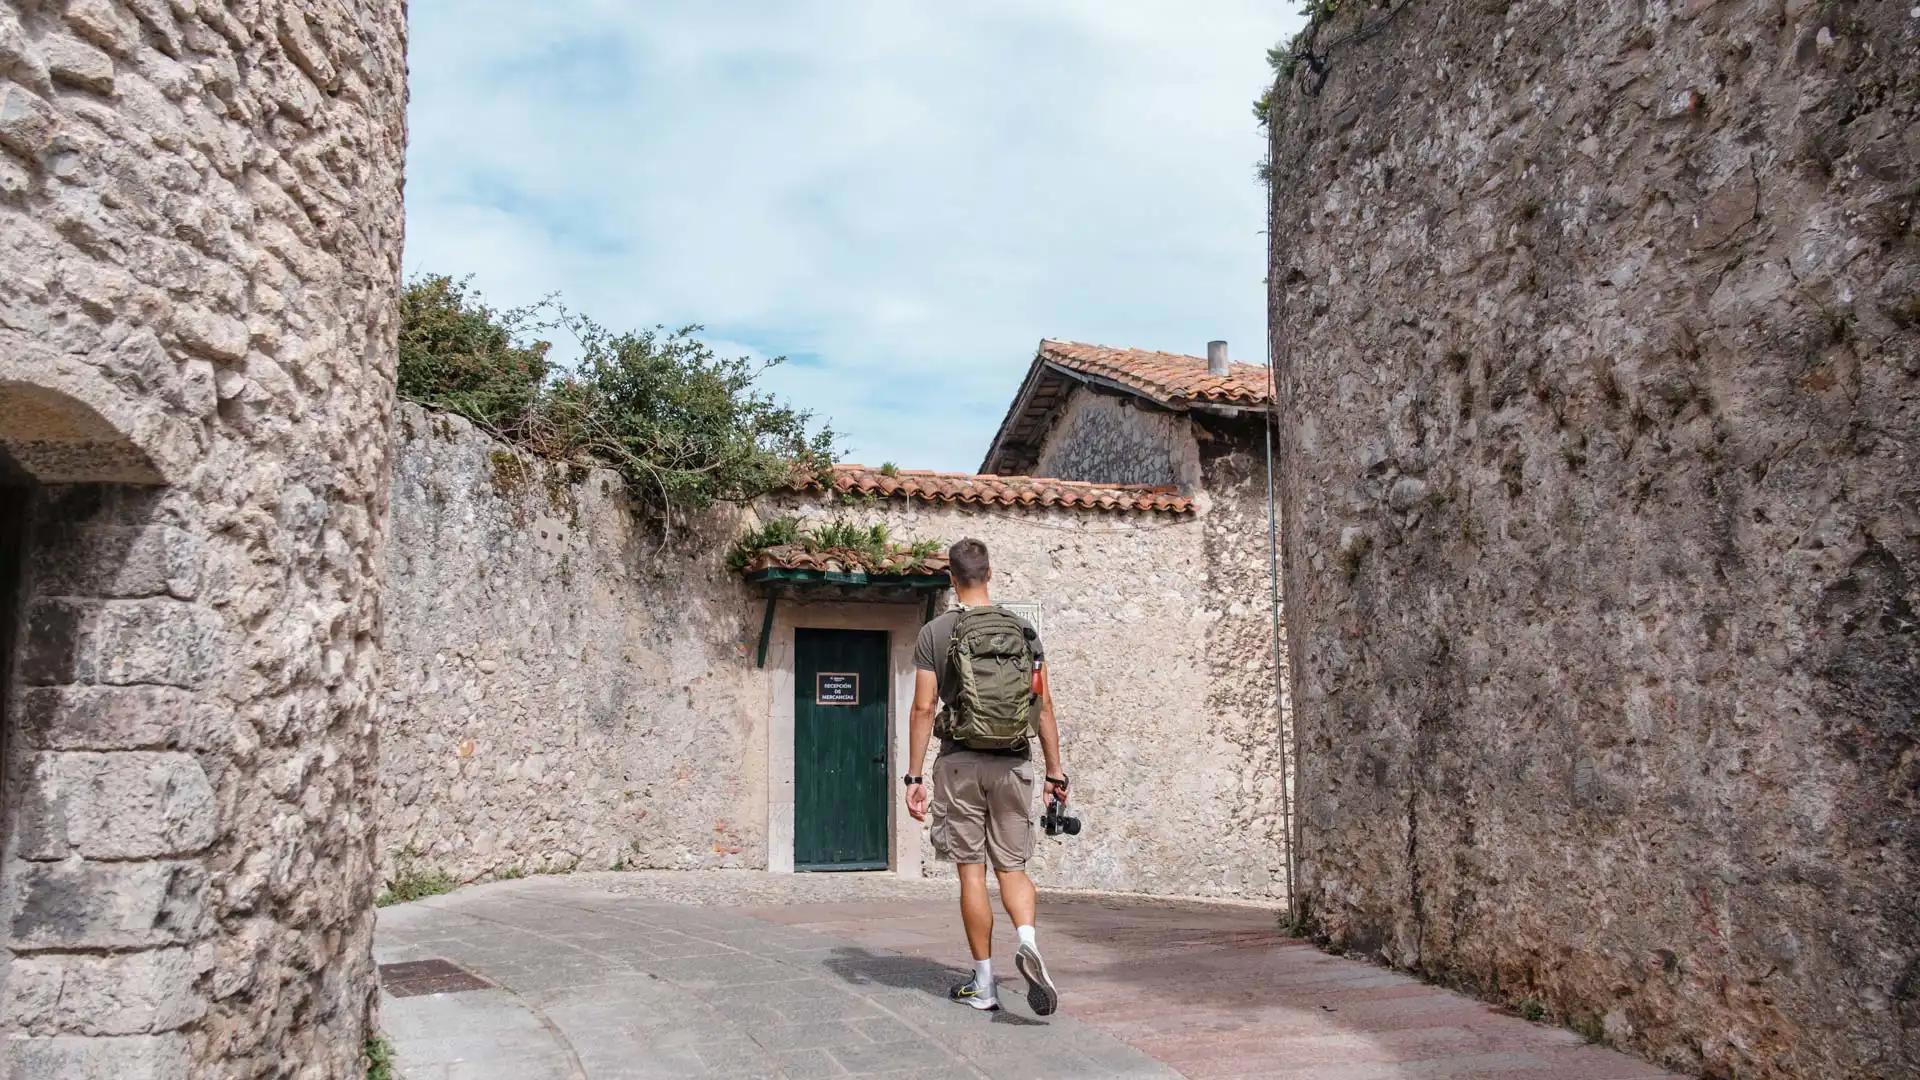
pixel 1049 731
pixel 926 696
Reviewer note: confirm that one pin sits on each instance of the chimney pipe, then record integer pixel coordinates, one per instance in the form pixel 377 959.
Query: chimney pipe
pixel 1216 358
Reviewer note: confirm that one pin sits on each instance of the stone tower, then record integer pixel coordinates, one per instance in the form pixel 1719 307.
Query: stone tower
pixel 200 234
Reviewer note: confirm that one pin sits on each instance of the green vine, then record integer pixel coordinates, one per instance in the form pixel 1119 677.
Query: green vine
pixel 1285 59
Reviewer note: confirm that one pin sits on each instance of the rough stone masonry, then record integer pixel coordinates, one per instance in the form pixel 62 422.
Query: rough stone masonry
pixel 200 230
pixel 1599 329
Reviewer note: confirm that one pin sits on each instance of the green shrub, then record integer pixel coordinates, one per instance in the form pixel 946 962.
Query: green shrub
pixel 412 882
pixel 458 354
pixel 684 427
pixel 379 1058
pixel 846 535
pixel 776 533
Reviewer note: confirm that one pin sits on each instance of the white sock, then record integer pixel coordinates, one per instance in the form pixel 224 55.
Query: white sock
pixel 983 976
pixel 1026 936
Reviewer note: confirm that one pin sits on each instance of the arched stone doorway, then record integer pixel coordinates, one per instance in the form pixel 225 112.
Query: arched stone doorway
pixel 105 807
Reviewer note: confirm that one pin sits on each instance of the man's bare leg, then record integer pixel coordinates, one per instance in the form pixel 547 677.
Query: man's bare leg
pixel 976 913
pixel 1016 895
pixel 976 909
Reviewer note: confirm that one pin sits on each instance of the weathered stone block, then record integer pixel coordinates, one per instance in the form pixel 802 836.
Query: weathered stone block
pixel 18 51
pixel 133 1057
pixel 31 995
pixel 87 905
pixel 127 805
pixel 113 718
pixel 306 52
pixel 77 63
pixel 120 562
pixel 221 337
pixel 100 22
pixel 53 648
pixel 122 994
pixel 160 22
pixel 169 642
pixel 27 122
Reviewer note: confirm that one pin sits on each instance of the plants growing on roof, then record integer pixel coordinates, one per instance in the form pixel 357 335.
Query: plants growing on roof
pixel 871 548
pixel 779 532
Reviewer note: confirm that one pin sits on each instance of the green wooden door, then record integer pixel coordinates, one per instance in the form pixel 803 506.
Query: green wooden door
pixel 840 749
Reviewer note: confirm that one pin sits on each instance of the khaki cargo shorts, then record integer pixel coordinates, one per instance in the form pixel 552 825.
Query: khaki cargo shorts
pixel 983 809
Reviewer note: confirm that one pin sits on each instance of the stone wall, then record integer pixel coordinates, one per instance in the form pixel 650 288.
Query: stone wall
pixel 200 224
pixel 566 689
pixel 1598 340
pixel 1110 439
pixel 1245 669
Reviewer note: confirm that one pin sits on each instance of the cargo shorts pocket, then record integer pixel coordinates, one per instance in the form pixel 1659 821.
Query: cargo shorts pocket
pixel 1024 776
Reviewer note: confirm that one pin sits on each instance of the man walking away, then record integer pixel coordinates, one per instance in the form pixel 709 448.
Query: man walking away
pixel 986 669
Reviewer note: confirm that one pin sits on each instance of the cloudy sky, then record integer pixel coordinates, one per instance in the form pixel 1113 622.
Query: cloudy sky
pixel 901 197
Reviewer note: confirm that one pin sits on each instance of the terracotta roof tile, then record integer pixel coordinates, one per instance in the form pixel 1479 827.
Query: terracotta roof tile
pixel 1168 378
pixel 986 490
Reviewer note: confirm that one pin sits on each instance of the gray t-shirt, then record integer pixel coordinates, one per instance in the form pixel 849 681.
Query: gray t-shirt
pixel 930 654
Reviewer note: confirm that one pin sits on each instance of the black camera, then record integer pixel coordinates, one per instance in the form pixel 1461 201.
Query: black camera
pixel 1055 821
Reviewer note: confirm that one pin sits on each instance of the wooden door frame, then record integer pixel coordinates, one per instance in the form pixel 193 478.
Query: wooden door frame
pixel 901 623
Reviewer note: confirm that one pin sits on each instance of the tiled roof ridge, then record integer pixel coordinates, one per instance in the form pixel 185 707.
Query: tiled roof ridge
pixel 994 490
pixel 853 467
pixel 1163 376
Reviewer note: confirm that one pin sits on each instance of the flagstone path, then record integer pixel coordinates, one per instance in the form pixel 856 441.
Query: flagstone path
pixel 744 974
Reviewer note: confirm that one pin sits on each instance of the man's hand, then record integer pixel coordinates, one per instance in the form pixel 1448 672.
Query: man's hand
pixel 1057 789
pixel 917 801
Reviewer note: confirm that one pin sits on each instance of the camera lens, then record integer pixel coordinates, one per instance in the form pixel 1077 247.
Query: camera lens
pixel 1071 826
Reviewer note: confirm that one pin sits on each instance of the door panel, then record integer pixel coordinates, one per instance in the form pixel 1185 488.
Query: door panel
pixel 840 691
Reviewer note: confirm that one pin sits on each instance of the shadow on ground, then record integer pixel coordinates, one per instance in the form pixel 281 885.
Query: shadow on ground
pixel 864 967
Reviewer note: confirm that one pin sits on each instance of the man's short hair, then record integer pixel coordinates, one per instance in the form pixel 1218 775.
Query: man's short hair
pixel 967 562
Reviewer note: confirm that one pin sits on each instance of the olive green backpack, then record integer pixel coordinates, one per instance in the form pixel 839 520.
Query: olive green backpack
pixel 991 653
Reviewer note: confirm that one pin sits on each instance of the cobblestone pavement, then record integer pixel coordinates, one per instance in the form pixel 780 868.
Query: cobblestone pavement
pixel 739 974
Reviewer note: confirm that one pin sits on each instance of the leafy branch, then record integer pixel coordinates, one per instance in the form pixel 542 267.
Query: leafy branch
pixel 686 428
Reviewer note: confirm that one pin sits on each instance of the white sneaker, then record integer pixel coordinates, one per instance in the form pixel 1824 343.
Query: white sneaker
pixel 1042 995
pixel 969 994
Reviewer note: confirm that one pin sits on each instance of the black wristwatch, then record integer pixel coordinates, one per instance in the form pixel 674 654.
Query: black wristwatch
pixel 910 780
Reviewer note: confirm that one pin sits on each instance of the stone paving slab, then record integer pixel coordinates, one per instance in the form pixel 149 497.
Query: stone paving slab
pixel 742 974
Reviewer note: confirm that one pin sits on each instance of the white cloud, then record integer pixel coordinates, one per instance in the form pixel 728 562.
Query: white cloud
pixel 913 194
